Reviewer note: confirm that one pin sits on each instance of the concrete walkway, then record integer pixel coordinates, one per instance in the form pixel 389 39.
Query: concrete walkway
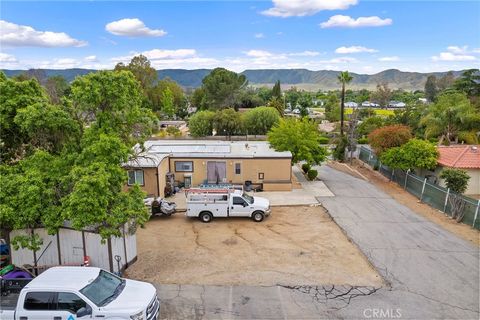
pixel 429 272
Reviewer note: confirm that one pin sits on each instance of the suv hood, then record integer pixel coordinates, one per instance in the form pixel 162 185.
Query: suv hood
pixel 135 297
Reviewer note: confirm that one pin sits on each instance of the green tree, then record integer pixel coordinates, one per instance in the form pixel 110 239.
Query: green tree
pixel 168 106
pixel 278 105
pixel 446 81
pixel 221 88
pixel 382 95
pixel 56 88
pixel 344 78
pixel 469 83
pixel 457 181
pixel 277 91
pixel 413 154
pixel 431 89
pixel 157 92
pixel 305 103
pixel 228 122
pixel 370 124
pixel 201 123
pixel 111 102
pixel 141 69
pixel 300 137
pixel 450 115
pixel 260 120
pixel 14 97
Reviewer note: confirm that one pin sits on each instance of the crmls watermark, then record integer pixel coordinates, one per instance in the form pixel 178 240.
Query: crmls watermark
pixel 380 313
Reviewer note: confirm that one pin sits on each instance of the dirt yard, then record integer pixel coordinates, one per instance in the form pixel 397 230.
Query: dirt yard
pixel 362 171
pixel 294 246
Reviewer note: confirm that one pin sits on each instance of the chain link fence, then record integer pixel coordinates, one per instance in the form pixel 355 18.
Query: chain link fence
pixel 434 195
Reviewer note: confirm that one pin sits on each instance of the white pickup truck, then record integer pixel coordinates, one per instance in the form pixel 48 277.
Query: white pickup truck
pixel 209 204
pixel 70 293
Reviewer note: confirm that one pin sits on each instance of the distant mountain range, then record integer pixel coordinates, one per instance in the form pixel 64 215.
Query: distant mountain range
pixel 301 78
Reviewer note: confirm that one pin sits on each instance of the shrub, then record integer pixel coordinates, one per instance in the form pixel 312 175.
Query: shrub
pixel 415 153
pixel 173 131
pixel 339 151
pixel 468 137
pixel 388 137
pixel 455 179
pixel 363 140
pixel 323 140
pixel 312 174
pixel 201 123
pixel 306 167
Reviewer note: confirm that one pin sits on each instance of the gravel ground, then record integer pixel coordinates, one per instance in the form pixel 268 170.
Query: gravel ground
pixel 294 246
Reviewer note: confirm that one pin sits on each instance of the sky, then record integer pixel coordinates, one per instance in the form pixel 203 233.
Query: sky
pixel 362 36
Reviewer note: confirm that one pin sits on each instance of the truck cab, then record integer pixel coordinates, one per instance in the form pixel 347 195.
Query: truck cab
pixel 69 293
pixel 209 204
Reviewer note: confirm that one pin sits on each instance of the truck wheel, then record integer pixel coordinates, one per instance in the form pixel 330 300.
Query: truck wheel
pixel 258 216
pixel 206 216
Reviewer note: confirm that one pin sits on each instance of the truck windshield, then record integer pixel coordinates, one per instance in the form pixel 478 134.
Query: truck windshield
pixel 248 198
pixel 105 288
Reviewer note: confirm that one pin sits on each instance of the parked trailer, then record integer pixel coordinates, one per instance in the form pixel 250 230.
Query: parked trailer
pixel 212 203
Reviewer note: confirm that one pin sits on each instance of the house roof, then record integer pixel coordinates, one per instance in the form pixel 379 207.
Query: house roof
pixel 157 150
pixel 460 156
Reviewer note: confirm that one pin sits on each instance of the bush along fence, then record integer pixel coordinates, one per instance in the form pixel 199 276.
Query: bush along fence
pixel 434 195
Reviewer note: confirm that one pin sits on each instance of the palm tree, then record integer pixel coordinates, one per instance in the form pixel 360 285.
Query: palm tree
pixel 344 78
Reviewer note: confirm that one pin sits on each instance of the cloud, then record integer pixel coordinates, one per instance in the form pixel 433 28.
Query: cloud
pixel 392 58
pixel 341 60
pixel 449 56
pixel 354 49
pixel 259 35
pixel 305 54
pixel 7 58
pixel 133 28
pixel 457 53
pixel 300 8
pixel 258 54
pixel 349 22
pixel 16 35
pixel 91 59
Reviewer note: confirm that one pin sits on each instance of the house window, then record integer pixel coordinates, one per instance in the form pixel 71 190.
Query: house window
pixel 260 176
pixel 238 168
pixel 135 177
pixel 184 166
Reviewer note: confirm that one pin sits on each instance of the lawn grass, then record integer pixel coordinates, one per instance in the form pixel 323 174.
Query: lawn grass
pixel 378 112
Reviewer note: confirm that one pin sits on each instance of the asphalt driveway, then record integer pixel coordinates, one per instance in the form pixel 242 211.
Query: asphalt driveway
pixel 430 273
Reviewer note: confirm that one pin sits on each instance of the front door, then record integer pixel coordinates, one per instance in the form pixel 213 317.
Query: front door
pixel 216 172
pixel 239 207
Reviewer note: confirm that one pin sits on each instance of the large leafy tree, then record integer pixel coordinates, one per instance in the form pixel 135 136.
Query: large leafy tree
pixel 344 78
pixel 388 137
pixel 300 137
pixel 111 103
pixel 415 153
pixel 260 120
pixel 73 168
pixel 431 89
pixel 228 122
pixel 221 88
pixel 16 96
pixel 276 90
pixel 450 115
pixel 201 123
pixel 382 95
pixel 141 69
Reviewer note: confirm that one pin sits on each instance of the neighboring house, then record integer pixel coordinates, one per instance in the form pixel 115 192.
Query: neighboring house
pixel 351 104
pixel 368 104
pixel 466 157
pixel 396 104
pixel 195 162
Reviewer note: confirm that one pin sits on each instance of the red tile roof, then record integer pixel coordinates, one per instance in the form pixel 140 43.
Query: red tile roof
pixel 460 156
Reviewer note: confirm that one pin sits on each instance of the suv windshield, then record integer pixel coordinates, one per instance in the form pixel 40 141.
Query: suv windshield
pixel 248 198
pixel 105 288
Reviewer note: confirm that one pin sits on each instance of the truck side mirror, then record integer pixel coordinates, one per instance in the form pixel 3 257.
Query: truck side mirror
pixel 84 311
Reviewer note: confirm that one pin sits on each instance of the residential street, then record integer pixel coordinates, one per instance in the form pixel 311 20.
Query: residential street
pixel 431 273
